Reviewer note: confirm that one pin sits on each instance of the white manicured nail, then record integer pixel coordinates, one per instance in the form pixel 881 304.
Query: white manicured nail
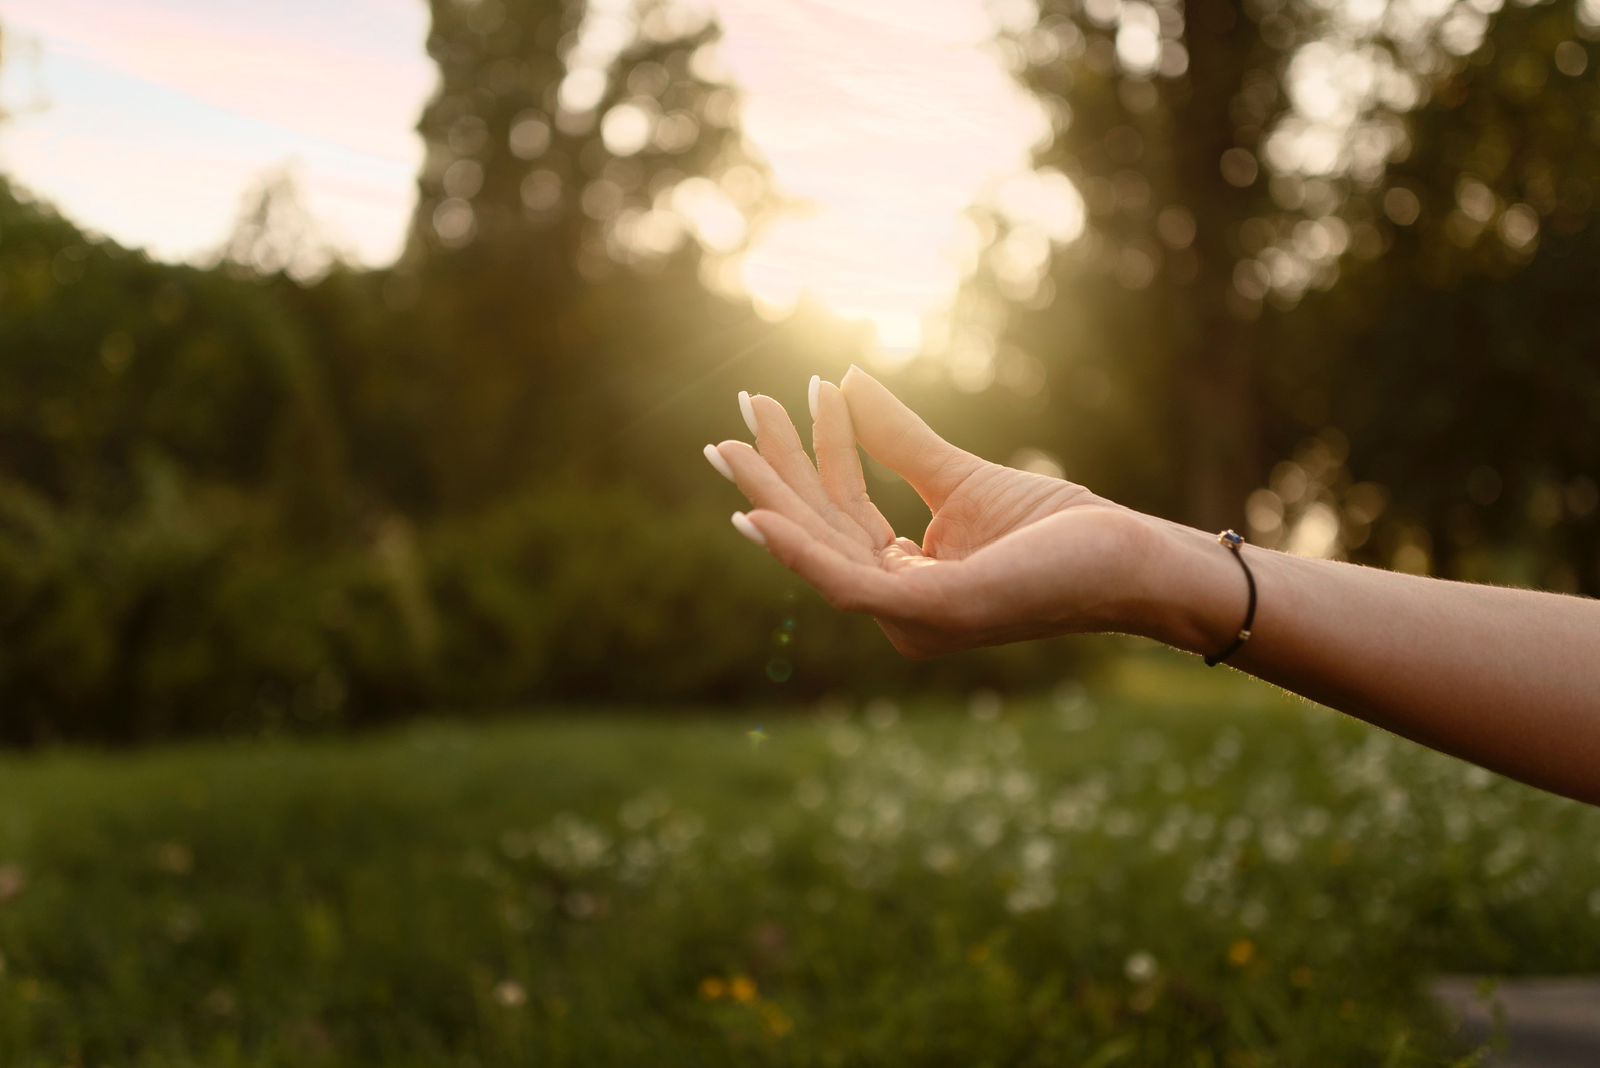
pixel 748 410
pixel 811 393
pixel 714 458
pixel 742 524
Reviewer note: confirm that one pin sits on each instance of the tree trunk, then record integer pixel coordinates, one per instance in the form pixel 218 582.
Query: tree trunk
pixel 1218 416
pixel 1219 422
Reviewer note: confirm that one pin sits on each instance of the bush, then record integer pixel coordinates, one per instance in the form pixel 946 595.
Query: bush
pixel 174 617
pixel 188 613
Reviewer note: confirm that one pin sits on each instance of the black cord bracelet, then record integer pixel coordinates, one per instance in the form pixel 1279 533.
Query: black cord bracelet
pixel 1236 542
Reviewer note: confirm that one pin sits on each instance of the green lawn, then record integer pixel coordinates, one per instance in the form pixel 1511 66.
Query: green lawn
pixel 1178 868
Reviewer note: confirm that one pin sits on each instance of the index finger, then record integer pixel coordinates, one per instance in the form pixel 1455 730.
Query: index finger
pixel 833 439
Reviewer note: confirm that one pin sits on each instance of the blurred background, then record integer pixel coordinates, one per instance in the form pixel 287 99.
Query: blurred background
pixel 355 361
pixel 356 364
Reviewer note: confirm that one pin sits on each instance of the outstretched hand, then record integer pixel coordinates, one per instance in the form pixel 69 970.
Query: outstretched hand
pixel 1007 554
pixel 1010 555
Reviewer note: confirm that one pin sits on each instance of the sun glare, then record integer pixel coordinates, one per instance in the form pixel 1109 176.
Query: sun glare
pixel 882 125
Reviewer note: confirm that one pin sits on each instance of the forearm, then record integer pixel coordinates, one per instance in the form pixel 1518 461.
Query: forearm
pixel 1509 679
pixel 1506 678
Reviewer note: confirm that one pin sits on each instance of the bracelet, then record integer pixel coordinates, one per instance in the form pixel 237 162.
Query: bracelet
pixel 1234 542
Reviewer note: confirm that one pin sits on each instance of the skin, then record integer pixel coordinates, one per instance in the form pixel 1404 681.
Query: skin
pixel 1508 679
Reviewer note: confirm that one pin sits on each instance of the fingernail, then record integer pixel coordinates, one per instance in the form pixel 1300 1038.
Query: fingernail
pixel 748 410
pixel 742 524
pixel 714 458
pixel 811 393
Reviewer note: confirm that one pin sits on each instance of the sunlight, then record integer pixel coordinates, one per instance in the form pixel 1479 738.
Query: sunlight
pixel 881 125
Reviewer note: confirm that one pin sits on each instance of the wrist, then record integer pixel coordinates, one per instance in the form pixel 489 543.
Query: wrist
pixel 1189 592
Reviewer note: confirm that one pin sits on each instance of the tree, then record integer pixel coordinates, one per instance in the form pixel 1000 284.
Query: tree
pixel 1460 366
pixel 1223 152
pixel 274 233
pixel 560 144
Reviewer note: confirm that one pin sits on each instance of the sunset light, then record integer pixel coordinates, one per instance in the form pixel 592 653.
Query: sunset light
pixel 574 533
pixel 882 124
pixel 881 127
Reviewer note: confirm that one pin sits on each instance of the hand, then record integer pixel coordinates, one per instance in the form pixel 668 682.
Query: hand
pixel 1010 555
pixel 1007 555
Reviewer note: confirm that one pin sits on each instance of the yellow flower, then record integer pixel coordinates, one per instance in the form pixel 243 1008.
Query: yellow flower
pixel 712 988
pixel 1241 953
pixel 742 989
pixel 1301 977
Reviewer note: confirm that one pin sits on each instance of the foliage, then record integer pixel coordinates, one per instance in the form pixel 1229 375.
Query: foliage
pixel 241 503
pixel 110 358
pixel 1460 365
pixel 525 211
pixel 1114 878
pixel 1310 224
pixel 189 613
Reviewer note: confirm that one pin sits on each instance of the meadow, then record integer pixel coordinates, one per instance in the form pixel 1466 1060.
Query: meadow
pixel 1171 867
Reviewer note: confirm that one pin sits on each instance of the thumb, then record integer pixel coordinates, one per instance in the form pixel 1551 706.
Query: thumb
pixel 898 438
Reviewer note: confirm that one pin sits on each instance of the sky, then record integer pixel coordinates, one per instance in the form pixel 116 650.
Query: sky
pixel 149 120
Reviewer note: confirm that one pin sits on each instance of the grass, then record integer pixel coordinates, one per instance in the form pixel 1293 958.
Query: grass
pixel 1179 868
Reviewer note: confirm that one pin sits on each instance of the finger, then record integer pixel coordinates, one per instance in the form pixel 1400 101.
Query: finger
pixel 849 585
pixel 899 439
pixel 896 557
pixel 758 481
pixel 779 444
pixel 834 441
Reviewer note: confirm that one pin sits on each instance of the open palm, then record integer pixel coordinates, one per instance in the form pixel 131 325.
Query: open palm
pixel 1007 554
